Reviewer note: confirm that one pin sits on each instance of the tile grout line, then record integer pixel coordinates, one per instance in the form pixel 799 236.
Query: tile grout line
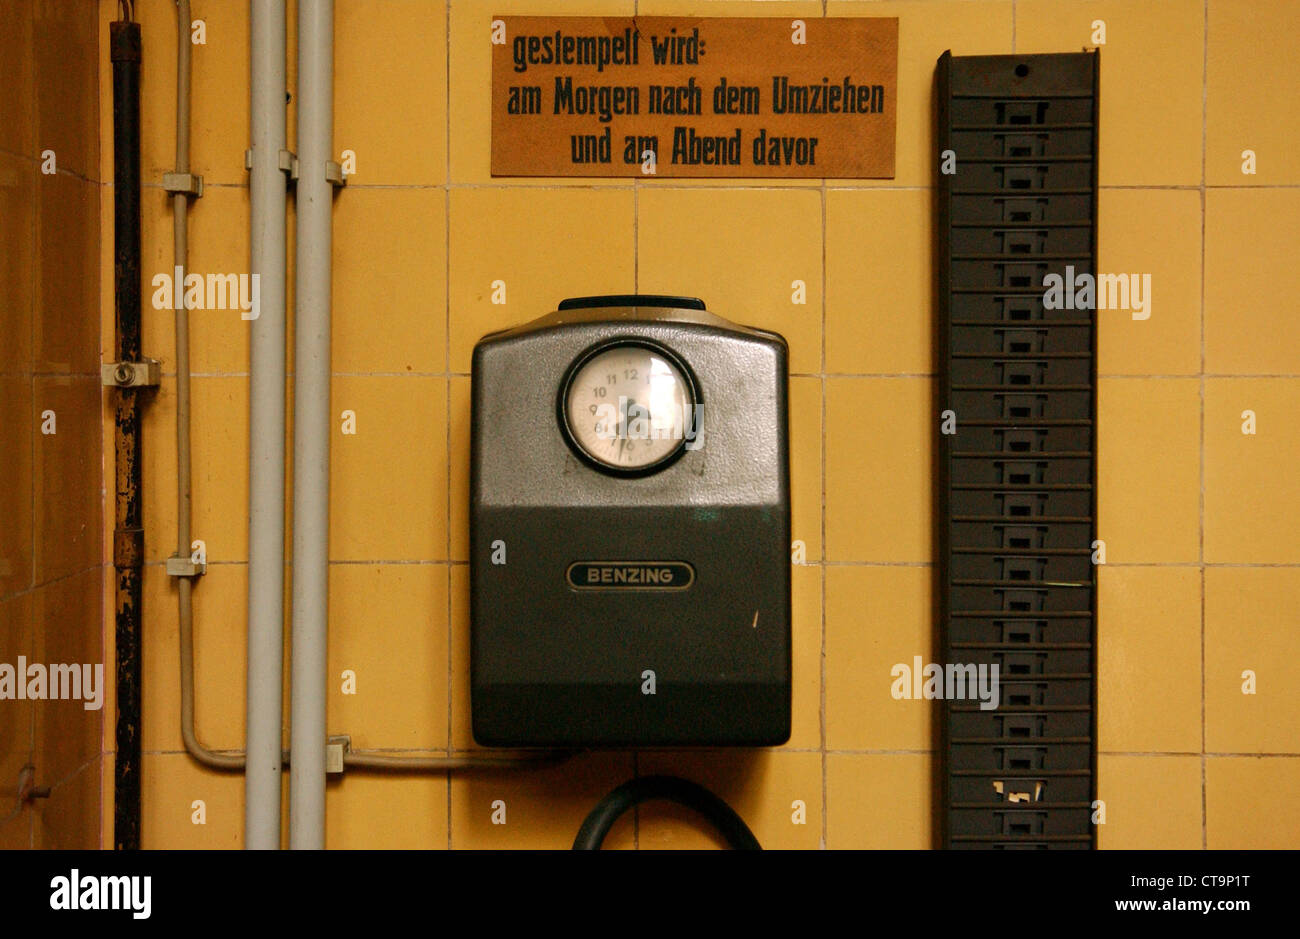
pixel 821 708
pixel 53 580
pixel 72 774
pixel 836 751
pixel 636 288
pixel 31 443
pixel 821 381
pixel 31 579
pixel 1110 376
pixel 446 357
pixel 842 184
pixel 107 468
pixel 1205 93
pixel 158 563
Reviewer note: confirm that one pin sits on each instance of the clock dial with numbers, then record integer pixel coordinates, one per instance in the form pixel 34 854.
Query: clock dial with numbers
pixel 628 407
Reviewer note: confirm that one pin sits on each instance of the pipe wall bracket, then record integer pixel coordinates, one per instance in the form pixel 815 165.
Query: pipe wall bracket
pixel 336 748
pixel 191 184
pixel 142 374
pixel 178 566
pixel 286 161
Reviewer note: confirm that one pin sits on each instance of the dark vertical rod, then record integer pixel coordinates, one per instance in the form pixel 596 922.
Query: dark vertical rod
pixel 128 532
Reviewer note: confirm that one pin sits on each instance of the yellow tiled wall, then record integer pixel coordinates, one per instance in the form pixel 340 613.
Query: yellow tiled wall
pixel 1201 581
pixel 52 571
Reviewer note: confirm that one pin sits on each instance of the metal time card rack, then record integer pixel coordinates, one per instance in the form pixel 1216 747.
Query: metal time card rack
pixel 1017 202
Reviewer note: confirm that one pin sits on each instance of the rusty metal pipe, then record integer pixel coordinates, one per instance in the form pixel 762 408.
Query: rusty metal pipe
pixel 128 527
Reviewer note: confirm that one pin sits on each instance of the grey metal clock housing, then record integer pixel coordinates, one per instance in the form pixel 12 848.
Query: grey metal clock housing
pixel 630 534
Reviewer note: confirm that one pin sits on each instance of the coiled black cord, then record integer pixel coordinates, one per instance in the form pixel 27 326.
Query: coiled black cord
pixel 682 791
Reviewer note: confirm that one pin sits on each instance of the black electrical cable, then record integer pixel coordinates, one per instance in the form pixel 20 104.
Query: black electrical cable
pixel 682 791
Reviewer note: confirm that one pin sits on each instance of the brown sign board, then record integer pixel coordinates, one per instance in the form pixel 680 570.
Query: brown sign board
pixel 689 96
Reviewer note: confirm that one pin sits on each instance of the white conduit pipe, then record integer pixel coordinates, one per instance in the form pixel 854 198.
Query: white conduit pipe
pixel 184 492
pixel 266 457
pixel 311 487
pixel 267 191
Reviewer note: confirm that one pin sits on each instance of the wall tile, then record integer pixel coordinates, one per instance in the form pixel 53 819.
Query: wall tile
pixel 1149 659
pixel 876 617
pixel 1148 469
pixel 879 493
pixel 18 261
pixel 1152 802
pixel 545 245
pixel 1251 280
pixel 65 337
pixel 687 245
pixel 876 800
pixel 171 784
pixel 67 476
pixel 390 290
pixel 1250 803
pixel 68 628
pixel 395 53
pixel 1249 628
pixel 1152 68
pixel 66 84
pixel 1154 232
pixel 1253 84
pixel 388 627
pixel 879 282
pixel 1250 515
pixel 389 480
pixel 777 794
pixel 542 808
pixel 16 503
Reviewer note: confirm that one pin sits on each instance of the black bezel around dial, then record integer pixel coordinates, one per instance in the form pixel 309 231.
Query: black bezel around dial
pixel 692 390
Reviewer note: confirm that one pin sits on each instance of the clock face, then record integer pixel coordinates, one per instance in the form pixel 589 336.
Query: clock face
pixel 629 407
